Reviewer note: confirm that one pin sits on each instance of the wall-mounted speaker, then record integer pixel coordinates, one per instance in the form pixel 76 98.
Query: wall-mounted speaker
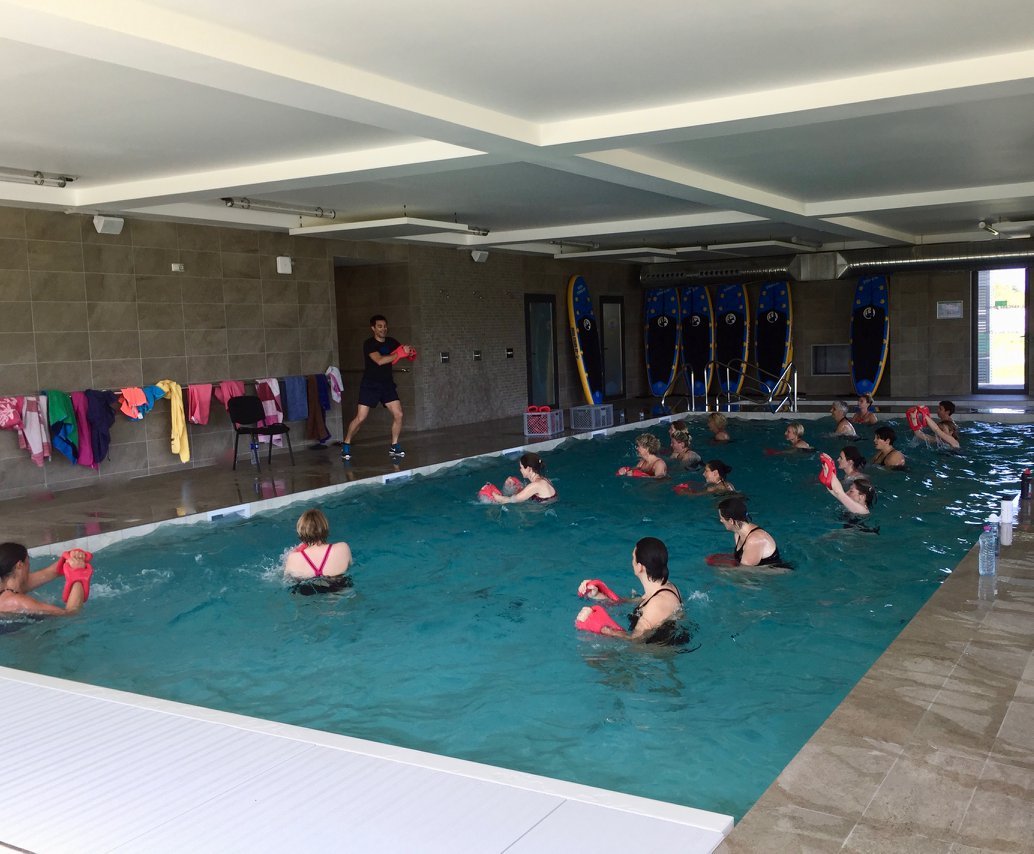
pixel 284 265
pixel 108 224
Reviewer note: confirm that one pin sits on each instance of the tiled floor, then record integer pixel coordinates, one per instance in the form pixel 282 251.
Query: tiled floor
pixel 933 751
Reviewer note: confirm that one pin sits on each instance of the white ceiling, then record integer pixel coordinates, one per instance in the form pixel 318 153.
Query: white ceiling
pixel 595 125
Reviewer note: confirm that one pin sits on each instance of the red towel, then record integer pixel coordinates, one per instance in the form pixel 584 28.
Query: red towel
pixel 228 389
pixel 199 401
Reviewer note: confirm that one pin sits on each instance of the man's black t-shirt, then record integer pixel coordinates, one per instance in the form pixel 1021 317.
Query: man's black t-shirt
pixel 372 372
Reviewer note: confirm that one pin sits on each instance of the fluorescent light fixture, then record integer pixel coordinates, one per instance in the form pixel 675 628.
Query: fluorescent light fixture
pixel 40 179
pixel 639 255
pixel 246 204
pixel 400 226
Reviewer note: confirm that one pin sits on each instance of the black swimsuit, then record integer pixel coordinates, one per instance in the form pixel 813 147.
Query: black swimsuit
pixel 668 633
pixel 772 560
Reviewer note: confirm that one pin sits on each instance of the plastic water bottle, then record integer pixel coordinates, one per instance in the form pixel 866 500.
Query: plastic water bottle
pixel 992 520
pixel 1026 486
pixel 254 453
pixel 1005 531
pixel 642 414
pixel 621 416
pixel 988 563
pixel 987 588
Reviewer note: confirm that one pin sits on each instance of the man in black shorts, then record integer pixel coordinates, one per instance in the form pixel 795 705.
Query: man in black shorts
pixel 378 386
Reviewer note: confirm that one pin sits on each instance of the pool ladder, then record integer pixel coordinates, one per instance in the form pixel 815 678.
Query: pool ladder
pixel 781 398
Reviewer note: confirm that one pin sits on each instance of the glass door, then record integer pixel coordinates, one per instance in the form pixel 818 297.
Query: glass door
pixel 1000 331
pixel 540 337
pixel 612 316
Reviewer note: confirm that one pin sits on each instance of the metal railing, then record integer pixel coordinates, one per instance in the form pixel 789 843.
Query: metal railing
pixel 782 397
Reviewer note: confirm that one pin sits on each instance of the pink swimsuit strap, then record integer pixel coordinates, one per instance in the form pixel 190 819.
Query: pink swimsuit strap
pixel 316 569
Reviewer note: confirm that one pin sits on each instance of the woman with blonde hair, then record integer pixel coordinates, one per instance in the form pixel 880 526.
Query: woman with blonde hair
pixel 319 565
pixel 794 434
pixel 647 447
pixel 716 423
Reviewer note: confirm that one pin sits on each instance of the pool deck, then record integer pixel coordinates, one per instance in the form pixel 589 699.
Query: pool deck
pixel 933 750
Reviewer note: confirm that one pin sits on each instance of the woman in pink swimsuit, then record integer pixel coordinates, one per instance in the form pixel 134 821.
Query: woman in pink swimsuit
pixel 315 558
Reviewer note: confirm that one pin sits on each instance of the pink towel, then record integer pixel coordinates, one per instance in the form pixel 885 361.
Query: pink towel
pixel 81 407
pixel 35 435
pixel 11 413
pixel 200 402
pixel 268 391
pixel 228 389
pixel 130 399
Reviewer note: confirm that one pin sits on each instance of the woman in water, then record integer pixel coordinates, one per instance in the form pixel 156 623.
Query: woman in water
pixel 942 432
pixel 851 462
pixel 16 581
pixel 647 446
pixel 317 558
pixel 794 434
pixel 844 428
pixel 673 428
pixel 715 473
pixel 716 423
pixel 538 488
pixel 886 454
pixel 864 415
pixel 857 498
pixel 654 619
pixel 681 452
pixel 753 546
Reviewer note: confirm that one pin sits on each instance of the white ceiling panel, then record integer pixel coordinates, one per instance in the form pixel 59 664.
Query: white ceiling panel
pixel 665 124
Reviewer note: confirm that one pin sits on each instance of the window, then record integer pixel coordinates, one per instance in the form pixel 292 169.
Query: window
pixel 831 360
pixel 1000 330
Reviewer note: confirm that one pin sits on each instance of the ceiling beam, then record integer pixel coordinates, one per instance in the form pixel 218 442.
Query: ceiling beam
pixel 879 93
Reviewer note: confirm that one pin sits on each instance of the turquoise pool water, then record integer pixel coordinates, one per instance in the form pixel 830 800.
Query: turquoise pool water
pixel 458 636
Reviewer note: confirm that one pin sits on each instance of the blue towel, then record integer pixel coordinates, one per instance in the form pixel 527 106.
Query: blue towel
pixel 296 406
pixel 323 390
pixel 153 394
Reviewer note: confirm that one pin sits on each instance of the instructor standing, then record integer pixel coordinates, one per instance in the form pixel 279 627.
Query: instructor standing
pixel 378 385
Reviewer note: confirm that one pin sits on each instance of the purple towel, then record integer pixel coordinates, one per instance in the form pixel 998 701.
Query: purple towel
pixel 100 412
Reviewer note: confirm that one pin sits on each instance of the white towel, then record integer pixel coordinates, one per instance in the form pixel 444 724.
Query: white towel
pixel 336 386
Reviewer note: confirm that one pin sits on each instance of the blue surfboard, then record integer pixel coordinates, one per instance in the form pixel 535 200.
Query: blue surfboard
pixel 773 331
pixel 697 330
pixel 661 315
pixel 870 333
pixel 585 337
pixel 731 335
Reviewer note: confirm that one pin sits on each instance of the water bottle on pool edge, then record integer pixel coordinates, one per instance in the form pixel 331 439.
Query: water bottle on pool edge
pixel 996 533
pixel 1005 531
pixel 987 564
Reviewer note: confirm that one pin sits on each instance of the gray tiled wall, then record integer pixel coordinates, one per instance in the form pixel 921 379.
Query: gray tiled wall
pixel 928 357
pixel 441 301
pixel 86 310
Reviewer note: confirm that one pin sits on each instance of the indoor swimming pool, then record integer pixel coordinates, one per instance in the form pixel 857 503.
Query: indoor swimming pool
pixel 457 637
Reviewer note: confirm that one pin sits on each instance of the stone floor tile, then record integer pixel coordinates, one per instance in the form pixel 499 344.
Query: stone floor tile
pixel 867 838
pixel 787 830
pixel 1001 815
pixel 926 792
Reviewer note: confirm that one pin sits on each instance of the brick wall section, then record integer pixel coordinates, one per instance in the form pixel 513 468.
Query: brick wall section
pixel 86 310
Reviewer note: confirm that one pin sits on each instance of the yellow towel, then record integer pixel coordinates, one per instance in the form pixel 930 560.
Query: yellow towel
pixel 180 442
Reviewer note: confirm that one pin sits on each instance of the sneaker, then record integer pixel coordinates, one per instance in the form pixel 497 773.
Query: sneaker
pixel 346 451
pixel 396 450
